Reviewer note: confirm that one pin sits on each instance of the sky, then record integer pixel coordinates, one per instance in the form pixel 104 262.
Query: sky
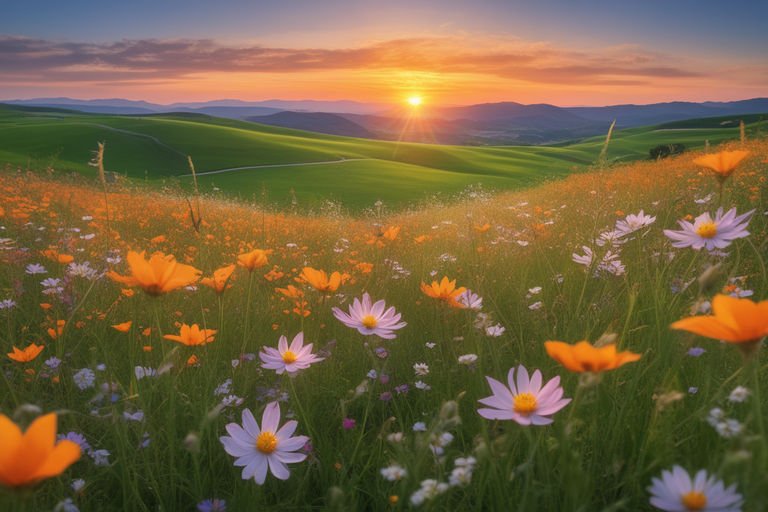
pixel 449 52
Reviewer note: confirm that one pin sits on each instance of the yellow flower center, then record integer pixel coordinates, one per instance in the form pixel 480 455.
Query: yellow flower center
pixel 525 403
pixel 707 230
pixel 694 500
pixel 289 357
pixel 266 442
pixel 369 322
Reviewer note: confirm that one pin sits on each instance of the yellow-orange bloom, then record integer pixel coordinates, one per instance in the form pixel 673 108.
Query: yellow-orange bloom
pixel 26 355
pixel 391 233
pixel 26 459
pixel 123 327
pixel 445 290
pixel 320 280
pixel 723 163
pixel 158 275
pixel 734 320
pixel 219 280
pixel 54 255
pixel 253 260
pixel 584 357
pixel 192 335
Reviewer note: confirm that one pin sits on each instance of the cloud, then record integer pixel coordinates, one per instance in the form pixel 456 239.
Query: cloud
pixel 26 59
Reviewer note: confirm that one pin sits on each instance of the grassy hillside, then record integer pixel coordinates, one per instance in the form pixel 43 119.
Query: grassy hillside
pixel 155 146
pixel 150 407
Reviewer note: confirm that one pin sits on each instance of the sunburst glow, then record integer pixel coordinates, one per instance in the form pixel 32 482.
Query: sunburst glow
pixel 414 101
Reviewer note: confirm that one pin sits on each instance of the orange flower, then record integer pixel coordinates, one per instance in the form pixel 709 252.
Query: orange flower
pixel 158 239
pixel 723 163
pixel 484 227
pixel 55 333
pixel 446 291
pixel 253 260
pixel 734 320
pixel 290 291
pixel 193 335
pixel 159 275
pixel 123 327
pixel 320 280
pixel 193 361
pixel 54 255
pixel 391 233
pixel 26 355
pixel 26 459
pixel 219 280
pixel 583 357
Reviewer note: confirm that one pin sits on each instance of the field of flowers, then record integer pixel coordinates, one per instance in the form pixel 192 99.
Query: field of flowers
pixel 590 344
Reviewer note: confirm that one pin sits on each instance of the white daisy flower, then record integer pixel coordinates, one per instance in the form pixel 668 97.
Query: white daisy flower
pixel 677 491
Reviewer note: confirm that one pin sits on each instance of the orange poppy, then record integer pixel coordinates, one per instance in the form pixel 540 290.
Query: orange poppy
pixel 320 280
pixel 30 457
pixel 192 335
pixel 735 320
pixel 123 327
pixel 218 282
pixel 445 290
pixel 26 355
pixel 723 163
pixel 253 260
pixel 584 357
pixel 158 275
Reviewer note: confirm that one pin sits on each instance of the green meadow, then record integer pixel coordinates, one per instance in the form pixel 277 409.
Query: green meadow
pixel 154 148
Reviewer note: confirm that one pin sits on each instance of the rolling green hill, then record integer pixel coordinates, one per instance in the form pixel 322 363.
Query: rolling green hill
pixel 155 147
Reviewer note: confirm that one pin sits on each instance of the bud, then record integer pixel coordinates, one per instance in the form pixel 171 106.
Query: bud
pixel 336 498
pixel 26 410
pixel 449 415
pixel 192 442
pixel 708 279
pixel 609 338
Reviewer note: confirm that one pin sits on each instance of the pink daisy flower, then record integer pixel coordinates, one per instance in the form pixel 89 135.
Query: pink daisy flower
pixel 371 319
pixel 711 234
pixel 526 401
pixel 259 449
pixel 289 359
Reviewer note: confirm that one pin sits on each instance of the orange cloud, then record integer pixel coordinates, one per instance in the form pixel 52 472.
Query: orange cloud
pixel 442 66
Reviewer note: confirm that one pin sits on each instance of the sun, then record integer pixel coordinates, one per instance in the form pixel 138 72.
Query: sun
pixel 414 101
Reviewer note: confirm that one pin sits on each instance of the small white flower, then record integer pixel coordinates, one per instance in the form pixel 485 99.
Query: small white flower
pixel 419 426
pixel 729 428
pixel 395 437
pixel 393 473
pixel 536 305
pixel 467 359
pixel 677 491
pixel 739 394
pixel 421 369
pixel 495 330
pixel 422 385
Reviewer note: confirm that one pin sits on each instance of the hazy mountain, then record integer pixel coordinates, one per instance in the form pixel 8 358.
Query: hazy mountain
pixel 225 106
pixel 639 115
pixel 332 124
pixel 486 123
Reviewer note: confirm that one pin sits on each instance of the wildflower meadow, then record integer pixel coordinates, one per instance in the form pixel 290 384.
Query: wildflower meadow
pixel 590 344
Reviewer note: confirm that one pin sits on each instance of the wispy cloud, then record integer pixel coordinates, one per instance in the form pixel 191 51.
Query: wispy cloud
pixel 25 59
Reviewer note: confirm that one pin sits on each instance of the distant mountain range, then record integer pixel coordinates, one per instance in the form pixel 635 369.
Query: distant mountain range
pixel 483 124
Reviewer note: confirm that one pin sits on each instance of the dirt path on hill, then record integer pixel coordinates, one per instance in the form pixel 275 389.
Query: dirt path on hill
pixel 218 171
pixel 150 137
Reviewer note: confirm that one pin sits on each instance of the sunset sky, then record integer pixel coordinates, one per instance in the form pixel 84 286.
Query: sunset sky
pixel 448 51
